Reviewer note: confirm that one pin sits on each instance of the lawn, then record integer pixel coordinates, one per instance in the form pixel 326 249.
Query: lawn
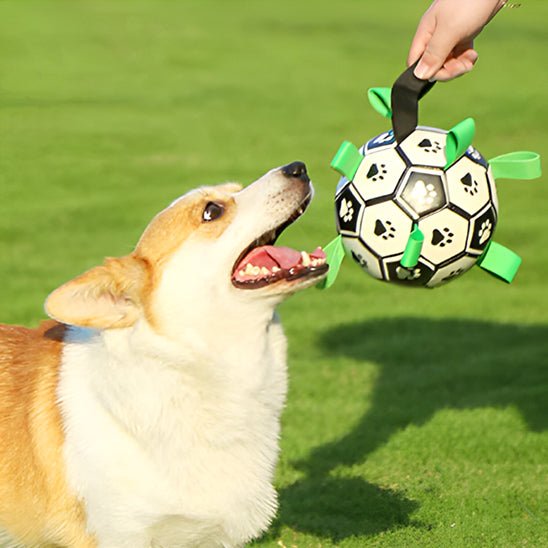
pixel 415 417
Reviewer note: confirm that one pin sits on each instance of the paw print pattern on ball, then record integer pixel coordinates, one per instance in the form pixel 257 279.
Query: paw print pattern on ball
pixel 346 211
pixel 425 146
pixel 483 226
pixel 376 172
pixel 445 236
pixel 384 229
pixel 470 184
pixel 358 257
pixel 349 208
pixel 407 273
pixel 415 276
pixel 379 174
pixel 442 237
pixel 430 146
pixel 422 192
pixel 363 256
pixel 452 274
pixel 451 271
pixel 485 231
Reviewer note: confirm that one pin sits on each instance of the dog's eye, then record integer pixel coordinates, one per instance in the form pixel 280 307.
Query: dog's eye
pixel 212 211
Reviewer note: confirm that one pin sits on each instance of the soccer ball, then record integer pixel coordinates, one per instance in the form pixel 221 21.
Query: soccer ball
pixel 402 187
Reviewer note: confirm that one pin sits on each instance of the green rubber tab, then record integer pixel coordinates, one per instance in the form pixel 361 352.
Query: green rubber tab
pixel 459 139
pixel 380 100
pixel 335 255
pixel 516 165
pixel 500 261
pixel 413 249
pixel 347 160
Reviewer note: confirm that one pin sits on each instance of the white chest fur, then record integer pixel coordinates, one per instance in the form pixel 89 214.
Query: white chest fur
pixel 169 452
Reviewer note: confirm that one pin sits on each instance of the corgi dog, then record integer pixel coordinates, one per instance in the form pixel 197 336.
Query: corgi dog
pixel 146 412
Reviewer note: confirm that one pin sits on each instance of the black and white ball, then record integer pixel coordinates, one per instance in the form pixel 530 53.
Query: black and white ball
pixel 402 185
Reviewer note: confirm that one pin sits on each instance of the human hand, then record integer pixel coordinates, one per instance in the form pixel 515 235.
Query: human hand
pixel 444 41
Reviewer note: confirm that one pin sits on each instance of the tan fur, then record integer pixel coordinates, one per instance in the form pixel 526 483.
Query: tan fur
pixel 35 503
pixel 34 500
pixel 114 294
pixel 169 229
pixel 106 296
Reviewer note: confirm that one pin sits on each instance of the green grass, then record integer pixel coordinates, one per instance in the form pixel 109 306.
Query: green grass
pixel 415 418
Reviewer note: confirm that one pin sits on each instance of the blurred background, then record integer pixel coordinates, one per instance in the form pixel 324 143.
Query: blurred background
pixel 415 417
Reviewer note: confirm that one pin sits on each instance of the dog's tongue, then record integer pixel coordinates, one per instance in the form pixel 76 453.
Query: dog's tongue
pixel 269 256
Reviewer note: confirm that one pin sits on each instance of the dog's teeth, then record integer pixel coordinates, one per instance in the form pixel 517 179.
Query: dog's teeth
pixel 242 272
pixel 249 269
pixel 300 211
pixel 305 258
pixel 265 271
pixel 276 269
pixel 255 270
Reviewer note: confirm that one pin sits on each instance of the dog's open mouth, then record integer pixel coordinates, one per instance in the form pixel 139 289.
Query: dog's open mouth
pixel 263 264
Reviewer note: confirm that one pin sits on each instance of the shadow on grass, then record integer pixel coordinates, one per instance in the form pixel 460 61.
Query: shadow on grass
pixel 424 366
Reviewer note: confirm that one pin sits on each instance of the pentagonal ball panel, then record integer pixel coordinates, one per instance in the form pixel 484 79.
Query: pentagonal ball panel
pixel 385 228
pixel 384 140
pixel 425 147
pixel 363 256
pixel 379 174
pixel 467 185
pixel 453 270
pixel 348 210
pixel 483 226
pixel 445 236
pixel 493 190
pixel 475 156
pixel 422 191
pixel 416 276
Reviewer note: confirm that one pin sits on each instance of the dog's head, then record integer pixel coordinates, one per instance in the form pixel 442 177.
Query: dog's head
pixel 210 255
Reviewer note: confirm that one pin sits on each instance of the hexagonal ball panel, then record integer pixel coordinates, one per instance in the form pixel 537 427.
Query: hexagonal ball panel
pixel 425 147
pixel 453 270
pixel 445 236
pixel 384 140
pixel 379 174
pixel 422 191
pixel 483 226
pixel 417 276
pixel 385 228
pixel 363 257
pixel 467 185
pixel 348 210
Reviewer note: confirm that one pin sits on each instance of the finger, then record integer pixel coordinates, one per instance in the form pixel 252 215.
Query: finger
pixel 470 55
pixel 437 51
pixel 453 68
pixel 421 39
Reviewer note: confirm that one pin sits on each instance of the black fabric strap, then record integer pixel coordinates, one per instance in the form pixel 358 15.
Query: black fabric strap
pixel 406 92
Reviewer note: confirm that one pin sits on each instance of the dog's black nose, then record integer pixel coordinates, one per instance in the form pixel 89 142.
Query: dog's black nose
pixel 296 170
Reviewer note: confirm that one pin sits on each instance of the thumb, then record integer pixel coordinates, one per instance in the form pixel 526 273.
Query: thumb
pixel 436 53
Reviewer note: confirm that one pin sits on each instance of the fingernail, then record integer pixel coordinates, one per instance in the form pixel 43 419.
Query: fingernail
pixel 422 71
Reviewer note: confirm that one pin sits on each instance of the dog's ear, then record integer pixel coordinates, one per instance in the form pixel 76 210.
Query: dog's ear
pixel 107 296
